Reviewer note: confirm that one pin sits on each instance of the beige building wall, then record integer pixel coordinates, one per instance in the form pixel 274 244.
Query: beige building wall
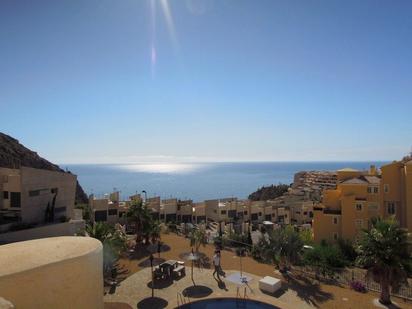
pixel 49 273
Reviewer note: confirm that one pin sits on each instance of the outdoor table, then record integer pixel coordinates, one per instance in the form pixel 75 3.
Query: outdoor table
pixel 241 281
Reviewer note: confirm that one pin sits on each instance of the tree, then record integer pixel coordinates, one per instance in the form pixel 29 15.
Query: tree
pixel 143 220
pixel 114 242
pixel 383 250
pixel 324 259
pixel 281 246
pixel 198 237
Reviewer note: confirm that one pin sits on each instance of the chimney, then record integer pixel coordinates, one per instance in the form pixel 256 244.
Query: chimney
pixel 372 170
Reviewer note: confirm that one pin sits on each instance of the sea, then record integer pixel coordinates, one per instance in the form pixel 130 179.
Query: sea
pixel 196 181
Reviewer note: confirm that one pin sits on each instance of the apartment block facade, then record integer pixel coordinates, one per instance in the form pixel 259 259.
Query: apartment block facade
pixel 361 196
pixel 35 196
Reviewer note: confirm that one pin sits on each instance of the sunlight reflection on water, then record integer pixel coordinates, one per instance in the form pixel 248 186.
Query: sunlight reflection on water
pixel 164 168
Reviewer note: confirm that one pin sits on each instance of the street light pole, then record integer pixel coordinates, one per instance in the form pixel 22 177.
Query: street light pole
pixel 145 196
pixel 151 267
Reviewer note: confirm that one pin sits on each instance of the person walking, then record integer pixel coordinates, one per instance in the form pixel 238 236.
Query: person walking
pixel 216 264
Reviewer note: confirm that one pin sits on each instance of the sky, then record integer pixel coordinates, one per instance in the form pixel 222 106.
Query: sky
pixel 99 81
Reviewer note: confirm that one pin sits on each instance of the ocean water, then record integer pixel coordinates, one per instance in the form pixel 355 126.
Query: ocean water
pixel 197 181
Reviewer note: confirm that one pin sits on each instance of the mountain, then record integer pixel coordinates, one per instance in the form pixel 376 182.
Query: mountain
pixel 13 155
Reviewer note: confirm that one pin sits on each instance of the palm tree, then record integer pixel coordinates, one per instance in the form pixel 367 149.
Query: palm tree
pixel 142 218
pixel 383 250
pixel 282 246
pixel 198 237
pixel 114 242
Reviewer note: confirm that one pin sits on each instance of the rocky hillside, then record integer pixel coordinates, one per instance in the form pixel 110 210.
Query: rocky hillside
pixel 13 154
pixel 268 193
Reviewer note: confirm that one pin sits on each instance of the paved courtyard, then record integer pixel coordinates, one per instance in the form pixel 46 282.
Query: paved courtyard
pixel 136 291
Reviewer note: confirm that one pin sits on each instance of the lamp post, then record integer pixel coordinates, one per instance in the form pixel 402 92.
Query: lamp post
pixel 151 267
pixel 145 196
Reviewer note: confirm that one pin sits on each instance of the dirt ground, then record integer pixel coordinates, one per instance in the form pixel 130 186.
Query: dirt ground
pixel 318 294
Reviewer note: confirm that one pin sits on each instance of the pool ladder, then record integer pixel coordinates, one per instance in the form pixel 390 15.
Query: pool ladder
pixel 181 299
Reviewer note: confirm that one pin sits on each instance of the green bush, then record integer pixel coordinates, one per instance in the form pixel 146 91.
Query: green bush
pixel 325 259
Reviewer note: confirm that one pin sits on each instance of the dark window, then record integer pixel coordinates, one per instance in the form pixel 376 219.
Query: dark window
pixel 178 207
pixel 375 190
pixel 254 217
pixel 391 208
pixel 162 216
pixel 121 214
pixel 369 190
pixel 223 212
pixel 245 212
pixel 15 200
pixel 260 214
pixel 100 215
pixel 305 213
pixel 268 217
pixel 335 220
pixel 112 212
pixel 34 193
pixel 6 195
pixel 232 213
pixel 310 214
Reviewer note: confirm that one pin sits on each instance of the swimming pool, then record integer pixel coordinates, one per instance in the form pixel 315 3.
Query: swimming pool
pixel 227 303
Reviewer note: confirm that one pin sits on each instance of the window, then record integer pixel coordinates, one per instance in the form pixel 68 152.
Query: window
pixel 54 190
pixel 6 195
pixel 231 213
pixel 391 208
pixel 310 214
pixel 260 214
pixel 273 215
pixel 245 212
pixel 305 213
pixel 34 193
pixel 100 215
pixel 359 207
pixel 375 190
pixel 298 212
pixel 223 212
pixel 335 236
pixel 386 188
pixel 359 223
pixel 369 190
pixel 178 207
pixel 15 200
pixel 335 220
pixel 112 212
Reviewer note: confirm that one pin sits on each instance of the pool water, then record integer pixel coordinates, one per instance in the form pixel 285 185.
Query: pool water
pixel 227 303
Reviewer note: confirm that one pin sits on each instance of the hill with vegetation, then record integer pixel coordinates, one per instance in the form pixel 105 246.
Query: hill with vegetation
pixel 13 155
pixel 269 192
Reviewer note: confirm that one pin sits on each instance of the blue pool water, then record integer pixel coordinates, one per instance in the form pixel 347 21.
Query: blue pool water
pixel 227 303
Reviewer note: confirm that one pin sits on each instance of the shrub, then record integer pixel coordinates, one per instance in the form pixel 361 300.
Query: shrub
pixel 358 286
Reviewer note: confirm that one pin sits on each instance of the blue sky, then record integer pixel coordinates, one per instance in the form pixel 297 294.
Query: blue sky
pixel 95 81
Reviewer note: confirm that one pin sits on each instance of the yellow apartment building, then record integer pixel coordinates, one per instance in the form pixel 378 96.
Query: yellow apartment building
pixel 361 196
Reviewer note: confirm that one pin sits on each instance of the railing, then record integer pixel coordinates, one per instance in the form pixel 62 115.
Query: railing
pixel 181 299
pixel 347 276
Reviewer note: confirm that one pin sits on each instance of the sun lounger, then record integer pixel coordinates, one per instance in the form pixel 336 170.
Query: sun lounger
pixel 179 270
